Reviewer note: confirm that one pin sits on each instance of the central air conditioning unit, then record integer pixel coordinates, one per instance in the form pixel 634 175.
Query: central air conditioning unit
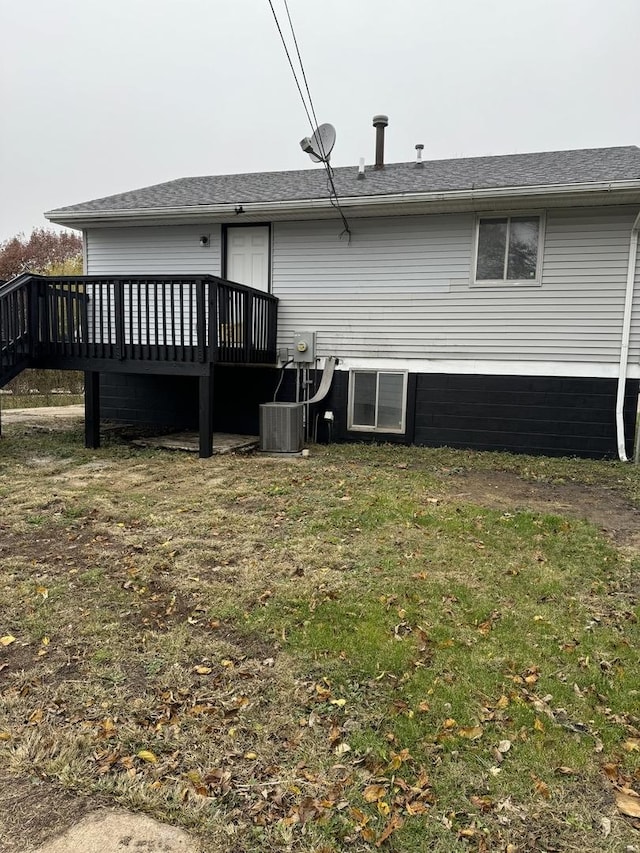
pixel 281 427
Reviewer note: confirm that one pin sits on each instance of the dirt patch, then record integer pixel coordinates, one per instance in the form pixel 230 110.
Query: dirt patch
pixel 160 607
pixel 604 507
pixel 33 810
pixel 54 550
pixel 250 644
pixel 16 659
pixel 26 665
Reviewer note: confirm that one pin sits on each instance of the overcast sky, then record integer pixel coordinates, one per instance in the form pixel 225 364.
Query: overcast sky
pixel 102 96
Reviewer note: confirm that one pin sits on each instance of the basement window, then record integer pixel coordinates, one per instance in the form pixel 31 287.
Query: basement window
pixel 377 400
pixel 508 249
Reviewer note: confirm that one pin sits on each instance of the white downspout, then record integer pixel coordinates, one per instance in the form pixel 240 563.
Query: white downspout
pixel 626 336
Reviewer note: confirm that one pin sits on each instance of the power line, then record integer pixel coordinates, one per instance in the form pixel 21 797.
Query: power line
pixel 293 70
pixel 331 187
pixel 304 76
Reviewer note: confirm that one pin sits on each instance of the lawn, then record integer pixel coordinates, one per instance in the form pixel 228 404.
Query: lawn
pixel 372 648
pixel 38 401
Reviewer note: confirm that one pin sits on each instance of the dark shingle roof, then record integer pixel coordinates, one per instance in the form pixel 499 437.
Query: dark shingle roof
pixel 512 170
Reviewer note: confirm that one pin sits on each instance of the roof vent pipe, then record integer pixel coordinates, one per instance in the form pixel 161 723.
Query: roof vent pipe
pixel 380 122
pixel 419 150
pixel 361 169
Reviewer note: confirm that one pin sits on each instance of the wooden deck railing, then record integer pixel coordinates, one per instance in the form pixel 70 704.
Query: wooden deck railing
pixel 170 319
pixel 16 328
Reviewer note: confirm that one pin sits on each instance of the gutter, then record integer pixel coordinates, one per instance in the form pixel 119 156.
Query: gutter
pixel 626 336
pixel 228 210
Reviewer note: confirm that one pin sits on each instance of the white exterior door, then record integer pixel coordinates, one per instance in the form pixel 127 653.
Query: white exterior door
pixel 248 256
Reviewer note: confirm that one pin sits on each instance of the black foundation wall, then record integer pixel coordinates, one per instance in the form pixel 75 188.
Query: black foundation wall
pixel 238 392
pixel 149 400
pixel 172 401
pixel 544 415
pixel 554 416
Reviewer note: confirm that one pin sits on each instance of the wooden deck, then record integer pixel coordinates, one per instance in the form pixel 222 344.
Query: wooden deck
pixel 177 324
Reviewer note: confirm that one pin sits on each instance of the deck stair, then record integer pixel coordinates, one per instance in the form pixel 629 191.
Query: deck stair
pixel 15 328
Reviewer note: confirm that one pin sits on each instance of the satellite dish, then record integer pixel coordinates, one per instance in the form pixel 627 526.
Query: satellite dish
pixel 320 145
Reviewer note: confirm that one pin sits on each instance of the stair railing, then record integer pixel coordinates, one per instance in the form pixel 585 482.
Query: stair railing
pixel 18 325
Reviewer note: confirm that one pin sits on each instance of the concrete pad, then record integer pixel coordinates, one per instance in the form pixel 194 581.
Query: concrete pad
pixel 222 442
pixel 51 417
pixel 121 832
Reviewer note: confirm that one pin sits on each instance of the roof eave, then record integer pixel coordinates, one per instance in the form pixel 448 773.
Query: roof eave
pixel 601 192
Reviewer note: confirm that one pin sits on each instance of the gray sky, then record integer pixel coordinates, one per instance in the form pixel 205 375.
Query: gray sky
pixel 102 96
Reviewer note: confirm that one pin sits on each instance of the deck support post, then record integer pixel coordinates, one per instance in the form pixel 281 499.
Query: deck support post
pixel 91 409
pixel 205 404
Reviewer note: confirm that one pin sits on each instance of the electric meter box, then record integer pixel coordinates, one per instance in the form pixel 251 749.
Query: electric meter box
pixel 304 347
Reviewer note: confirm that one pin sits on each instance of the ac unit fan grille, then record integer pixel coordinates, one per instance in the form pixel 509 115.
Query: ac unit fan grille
pixel 281 427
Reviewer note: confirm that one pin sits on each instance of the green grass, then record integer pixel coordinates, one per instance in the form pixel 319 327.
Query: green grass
pixel 344 651
pixel 38 401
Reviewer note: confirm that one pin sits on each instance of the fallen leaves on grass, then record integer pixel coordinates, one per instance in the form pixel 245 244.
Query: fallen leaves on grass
pixel 540 787
pixel 394 823
pixel 485 627
pixel 365 731
pixel 484 803
pixel 470 732
pixel 566 771
pixel 627 801
pixel 374 792
pixel 147 755
pixel 530 676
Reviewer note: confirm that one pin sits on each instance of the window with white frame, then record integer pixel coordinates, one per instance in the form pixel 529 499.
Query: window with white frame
pixel 377 400
pixel 508 249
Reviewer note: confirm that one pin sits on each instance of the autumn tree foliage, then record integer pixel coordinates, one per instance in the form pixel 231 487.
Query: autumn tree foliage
pixel 44 251
pixel 49 253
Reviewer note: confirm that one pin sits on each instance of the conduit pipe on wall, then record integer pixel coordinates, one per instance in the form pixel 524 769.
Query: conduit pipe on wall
pixel 325 382
pixel 626 337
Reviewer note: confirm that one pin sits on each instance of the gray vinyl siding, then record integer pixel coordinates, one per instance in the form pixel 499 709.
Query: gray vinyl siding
pixel 402 289
pixel 156 250
pixel 150 250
